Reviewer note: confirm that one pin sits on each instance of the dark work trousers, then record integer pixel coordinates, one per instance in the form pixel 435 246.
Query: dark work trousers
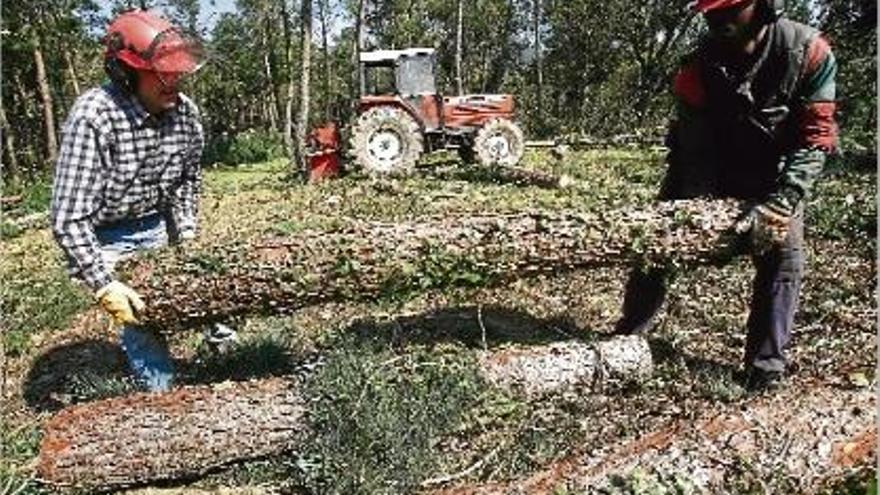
pixel 775 292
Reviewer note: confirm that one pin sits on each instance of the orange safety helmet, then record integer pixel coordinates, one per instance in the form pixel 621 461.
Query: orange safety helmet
pixel 139 39
pixel 704 6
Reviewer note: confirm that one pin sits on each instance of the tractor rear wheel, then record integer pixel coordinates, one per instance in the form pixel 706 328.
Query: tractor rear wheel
pixel 386 141
pixel 499 142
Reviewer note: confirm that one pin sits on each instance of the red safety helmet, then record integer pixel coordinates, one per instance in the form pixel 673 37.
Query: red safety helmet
pixel 704 6
pixel 143 40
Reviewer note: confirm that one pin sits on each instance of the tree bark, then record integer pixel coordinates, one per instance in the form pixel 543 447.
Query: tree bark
pixel 539 65
pixel 146 437
pixel 359 45
pixel 268 73
pixel 46 97
pixel 561 366
pixel 367 260
pixel 25 101
pixel 327 66
pixel 288 100
pixel 71 71
pixel 140 438
pixel 458 38
pixel 304 91
pixel 10 172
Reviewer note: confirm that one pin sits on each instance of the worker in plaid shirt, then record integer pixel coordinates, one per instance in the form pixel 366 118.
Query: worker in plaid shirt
pixel 128 176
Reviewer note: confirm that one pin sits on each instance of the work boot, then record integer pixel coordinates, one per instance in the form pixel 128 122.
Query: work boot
pixel 758 380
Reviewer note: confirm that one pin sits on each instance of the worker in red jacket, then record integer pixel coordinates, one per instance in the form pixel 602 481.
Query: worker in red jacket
pixel 755 121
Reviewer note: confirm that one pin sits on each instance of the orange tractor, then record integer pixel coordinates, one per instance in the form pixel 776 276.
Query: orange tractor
pixel 401 116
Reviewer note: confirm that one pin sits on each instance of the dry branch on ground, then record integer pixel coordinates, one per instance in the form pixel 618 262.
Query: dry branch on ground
pixel 367 260
pixel 793 441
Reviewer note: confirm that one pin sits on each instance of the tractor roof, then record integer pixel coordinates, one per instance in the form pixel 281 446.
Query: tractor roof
pixel 379 56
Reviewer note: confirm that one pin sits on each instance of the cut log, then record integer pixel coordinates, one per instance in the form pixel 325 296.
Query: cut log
pixel 566 365
pixel 145 437
pixel 531 177
pixel 368 260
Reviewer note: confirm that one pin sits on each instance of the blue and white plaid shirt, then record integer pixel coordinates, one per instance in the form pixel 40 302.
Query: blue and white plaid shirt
pixel 118 162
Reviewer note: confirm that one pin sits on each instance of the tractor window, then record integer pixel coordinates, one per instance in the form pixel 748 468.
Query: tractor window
pixel 415 75
pixel 379 80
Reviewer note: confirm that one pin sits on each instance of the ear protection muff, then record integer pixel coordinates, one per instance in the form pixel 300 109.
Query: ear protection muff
pixel 117 71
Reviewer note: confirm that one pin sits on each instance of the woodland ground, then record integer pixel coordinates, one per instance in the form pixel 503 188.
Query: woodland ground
pixel 395 401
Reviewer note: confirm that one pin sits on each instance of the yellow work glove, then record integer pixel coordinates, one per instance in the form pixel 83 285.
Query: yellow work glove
pixel 767 223
pixel 121 302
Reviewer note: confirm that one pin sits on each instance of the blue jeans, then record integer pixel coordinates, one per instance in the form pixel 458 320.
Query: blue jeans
pixel 147 356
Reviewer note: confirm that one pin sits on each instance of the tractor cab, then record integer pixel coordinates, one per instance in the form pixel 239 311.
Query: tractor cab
pixel 405 78
pixel 401 72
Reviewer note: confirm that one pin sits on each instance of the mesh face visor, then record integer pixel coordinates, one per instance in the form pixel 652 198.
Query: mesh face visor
pixel 174 50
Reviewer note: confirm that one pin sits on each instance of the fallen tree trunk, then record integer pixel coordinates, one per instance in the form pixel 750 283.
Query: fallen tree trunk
pixel 142 438
pixel 145 437
pixel 368 260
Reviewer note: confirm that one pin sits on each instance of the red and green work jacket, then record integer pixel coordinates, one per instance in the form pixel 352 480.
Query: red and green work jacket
pixel 763 130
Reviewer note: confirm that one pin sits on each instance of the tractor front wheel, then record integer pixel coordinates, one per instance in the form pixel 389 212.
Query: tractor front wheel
pixel 499 142
pixel 386 141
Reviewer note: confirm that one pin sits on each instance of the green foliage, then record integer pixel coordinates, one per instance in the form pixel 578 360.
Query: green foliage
pixel 35 198
pixel 641 482
pixel 36 301
pixel 437 269
pixel 87 385
pixel 844 205
pixel 378 415
pixel 36 194
pixel 18 444
pixel 250 146
pixel 253 356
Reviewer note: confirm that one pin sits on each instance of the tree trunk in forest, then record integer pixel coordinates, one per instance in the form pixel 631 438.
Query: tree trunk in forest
pixel 539 66
pixel 325 53
pixel 304 90
pixel 359 81
pixel 366 260
pixel 498 69
pixel 30 152
pixel 291 85
pixel 458 37
pixel 71 71
pixel 46 97
pixel 10 173
pixel 272 105
pixel 266 45
pixel 146 437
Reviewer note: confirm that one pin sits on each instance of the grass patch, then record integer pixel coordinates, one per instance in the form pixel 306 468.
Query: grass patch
pixel 255 356
pixel 18 445
pixel 35 298
pixel 378 415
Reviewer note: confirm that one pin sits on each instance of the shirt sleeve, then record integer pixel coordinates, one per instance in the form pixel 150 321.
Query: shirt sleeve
pixel 186 206
pixel 75 200
pixel 816 125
